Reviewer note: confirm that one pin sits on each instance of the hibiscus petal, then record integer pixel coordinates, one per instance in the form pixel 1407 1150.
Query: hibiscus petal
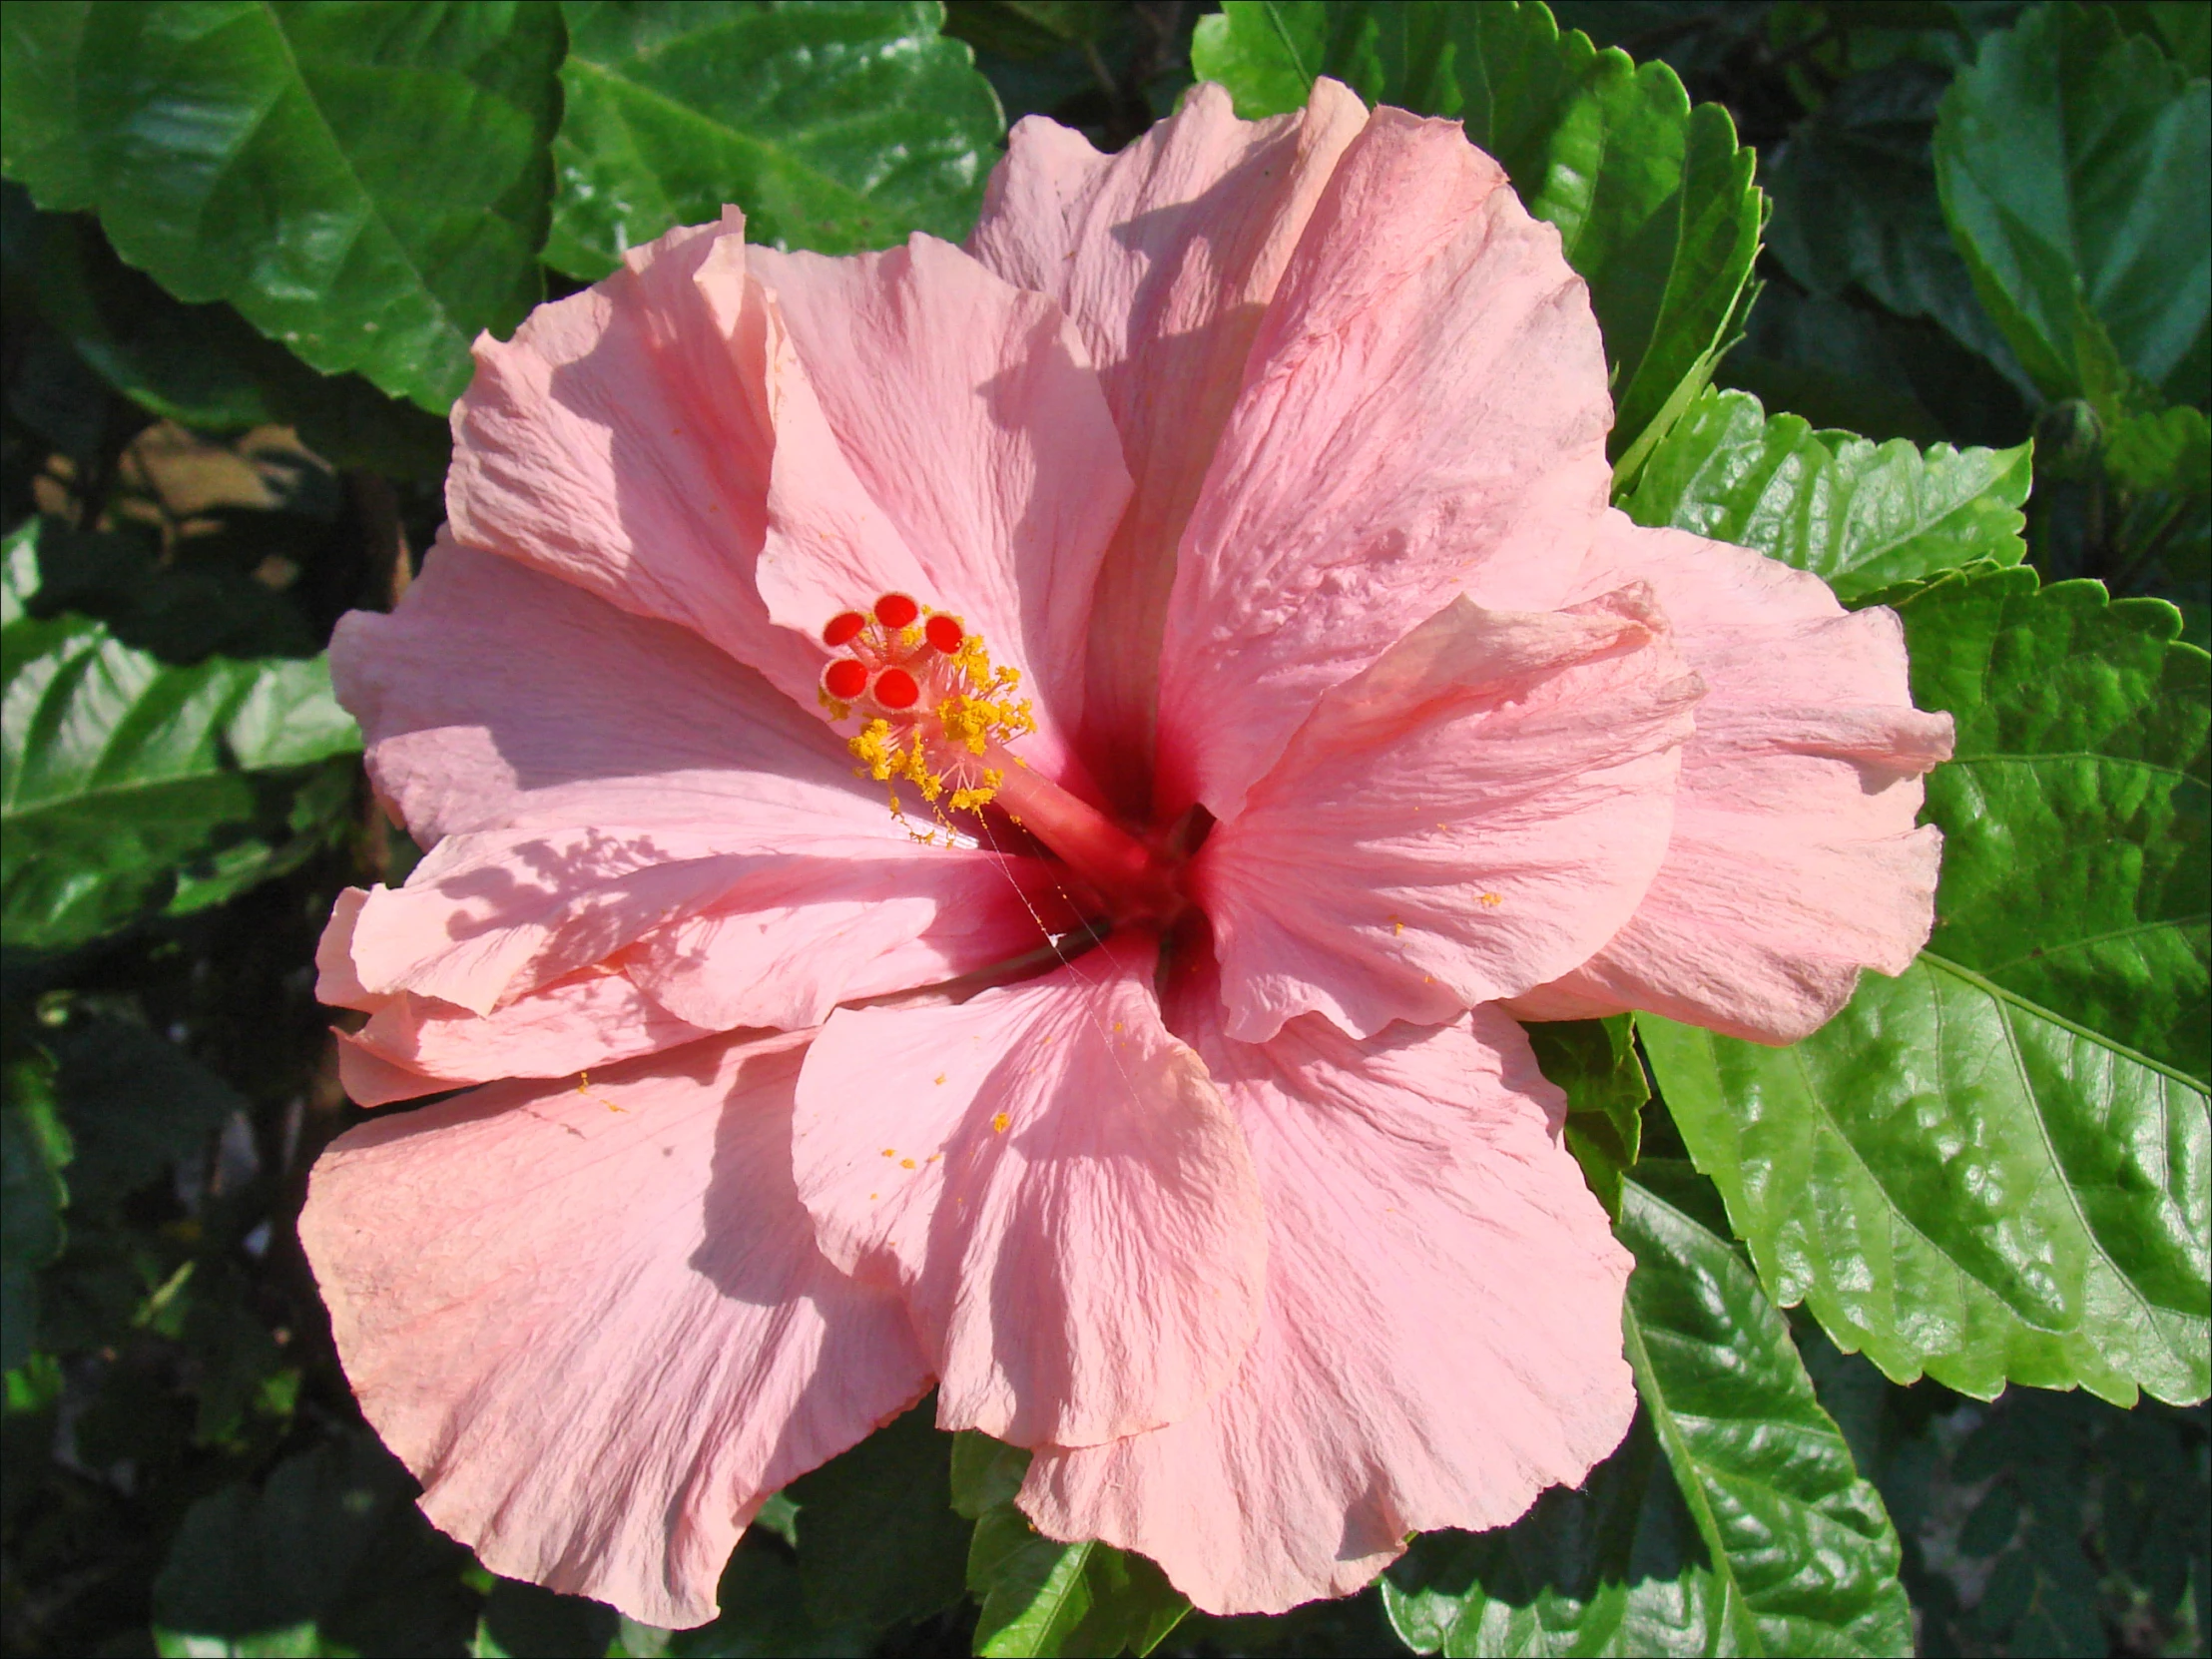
pixel 1441 1338
pixel 784 947
pixel 969 412
pixel 600 778
pixel 1165 255
pixel 1425 411
pixel 495 696
pixel 1480 808
pixel 625 439
pixel 1056 1185
pixel 601 1337
pixel 486 917
pixel 415 1045
pixel 1794 861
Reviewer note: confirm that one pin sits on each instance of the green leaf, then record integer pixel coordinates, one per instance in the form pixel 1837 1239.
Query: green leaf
pixel 1859 515
pixel 34 1149
pixel 128 785
pixel 878 1538
pixel 1594 1062
pixel 203 365
pixel 367 184
pixel 1039 1596
pixel 1856 206
pixel 2169 450
pixel 2072 162
pixel 135 1103
pixel 326 1556
pixel 764 1613
pixel 523 1621
pixel 835 127
pixel 1991 1168
pixel 985 1473
pixel 1731 1520
pixel 2077 864
pixel 1654 200
pixel 2182 27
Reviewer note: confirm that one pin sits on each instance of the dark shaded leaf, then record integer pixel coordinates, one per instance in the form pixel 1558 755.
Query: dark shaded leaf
pixel 205 366
pixel 880 1540
pixel 2075 167
pixel 328 1551
pixel 1594 1062
pixel 1855 205
pixel 34 1149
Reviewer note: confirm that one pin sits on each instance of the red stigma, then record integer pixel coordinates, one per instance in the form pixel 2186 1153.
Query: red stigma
pixel 896 610
pixel 943 632
pixel 842 627
pixel 844 679
pixel 895 687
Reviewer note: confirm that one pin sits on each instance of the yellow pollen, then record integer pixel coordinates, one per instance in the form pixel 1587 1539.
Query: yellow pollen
pixel 890 1152
pixel 999 1123
pixel 1492 899
pixel 940 1078
pixel 906 1163
pixel 972 703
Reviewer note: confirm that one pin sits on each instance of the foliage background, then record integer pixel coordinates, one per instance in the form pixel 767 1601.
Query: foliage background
pixel 245 247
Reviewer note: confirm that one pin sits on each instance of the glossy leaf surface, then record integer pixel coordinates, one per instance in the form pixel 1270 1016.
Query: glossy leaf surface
pixel 130 785
pixel 835 127
pixel 369 184
pixel 1731 1520
pixel 1859 515
pixel 1037 1595
pixel 1653 199
pixel 1997 1165
pixel 2072 160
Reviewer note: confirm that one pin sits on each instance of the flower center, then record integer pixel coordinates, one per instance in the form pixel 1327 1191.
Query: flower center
pixel 936 712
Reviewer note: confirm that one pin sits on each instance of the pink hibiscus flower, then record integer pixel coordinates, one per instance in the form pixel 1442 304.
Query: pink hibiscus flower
pixel 1213 557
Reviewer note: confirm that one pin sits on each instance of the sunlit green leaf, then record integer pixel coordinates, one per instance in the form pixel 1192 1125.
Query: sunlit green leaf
pixel 1997 1166
pixel 2075 165
pixel 129 785
pixel 1857 514
pixel 1653 199
pixel 834 125
pixel 1731 1520
pixel 369 184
